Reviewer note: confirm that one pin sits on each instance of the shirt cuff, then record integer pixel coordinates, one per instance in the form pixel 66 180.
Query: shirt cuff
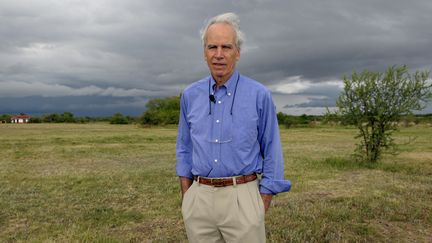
pixel 185 172
pixel 268 186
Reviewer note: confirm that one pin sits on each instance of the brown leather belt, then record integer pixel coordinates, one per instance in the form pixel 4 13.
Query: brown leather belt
pixel 227 181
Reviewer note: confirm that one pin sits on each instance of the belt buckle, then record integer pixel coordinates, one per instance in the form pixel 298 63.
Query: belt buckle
pixel 217 183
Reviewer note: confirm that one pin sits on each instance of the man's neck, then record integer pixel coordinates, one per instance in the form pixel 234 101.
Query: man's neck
pixel 222 80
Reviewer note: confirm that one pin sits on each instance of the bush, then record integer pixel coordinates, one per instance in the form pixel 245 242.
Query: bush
pixel 58 118
pixel 374 102
pixel 162 111
pixel 118 118
pixel 35 119
pixel 5 118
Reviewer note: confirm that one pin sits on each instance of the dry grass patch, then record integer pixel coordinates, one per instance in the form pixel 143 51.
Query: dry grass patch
pixel 108 183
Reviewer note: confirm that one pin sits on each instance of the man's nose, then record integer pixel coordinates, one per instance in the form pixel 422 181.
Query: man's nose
pixel 219 53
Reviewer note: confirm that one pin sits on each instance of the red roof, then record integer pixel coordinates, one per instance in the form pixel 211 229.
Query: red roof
pixel 21 117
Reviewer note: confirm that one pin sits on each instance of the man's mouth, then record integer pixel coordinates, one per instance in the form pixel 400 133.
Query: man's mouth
pixel 218 64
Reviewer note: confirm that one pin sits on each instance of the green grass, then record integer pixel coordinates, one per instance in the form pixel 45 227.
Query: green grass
pixel 112 183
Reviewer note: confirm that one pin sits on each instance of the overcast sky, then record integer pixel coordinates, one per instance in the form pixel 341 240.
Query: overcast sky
pixel 99 57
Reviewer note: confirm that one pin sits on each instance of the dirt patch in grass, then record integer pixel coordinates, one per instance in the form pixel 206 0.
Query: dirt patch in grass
pixel 396 231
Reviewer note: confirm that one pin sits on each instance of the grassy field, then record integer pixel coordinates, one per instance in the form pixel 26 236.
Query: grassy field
pixel 112 183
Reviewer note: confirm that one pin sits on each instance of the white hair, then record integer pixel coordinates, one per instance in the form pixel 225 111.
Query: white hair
pixel 227 18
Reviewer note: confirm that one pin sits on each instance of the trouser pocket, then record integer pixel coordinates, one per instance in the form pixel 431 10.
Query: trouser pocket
pixel 187 203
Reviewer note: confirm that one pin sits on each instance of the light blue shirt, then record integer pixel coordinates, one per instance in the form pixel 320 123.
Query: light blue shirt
pixel 222 145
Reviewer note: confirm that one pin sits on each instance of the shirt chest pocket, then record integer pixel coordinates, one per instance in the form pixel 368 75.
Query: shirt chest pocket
pixel 200 127
pixel 244 130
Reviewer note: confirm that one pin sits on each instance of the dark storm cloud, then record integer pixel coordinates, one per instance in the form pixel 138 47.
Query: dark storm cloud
pixel 325 39
pixel 313 102
pixel 80 106
pixel 136 49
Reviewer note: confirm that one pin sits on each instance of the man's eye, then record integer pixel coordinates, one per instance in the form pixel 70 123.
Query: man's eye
pixel 227 47
pixel 211 47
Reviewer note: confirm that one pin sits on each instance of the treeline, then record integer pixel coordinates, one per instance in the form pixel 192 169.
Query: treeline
pixel 165 111
pixel 404 121
pixel 298 121
pixel 310 120
pixel 68 117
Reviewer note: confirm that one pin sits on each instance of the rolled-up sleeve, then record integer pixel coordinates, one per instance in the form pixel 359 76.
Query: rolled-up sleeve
pixel 272 181
pixel 184 144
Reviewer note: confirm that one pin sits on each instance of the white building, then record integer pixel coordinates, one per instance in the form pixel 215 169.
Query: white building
pixel 20 119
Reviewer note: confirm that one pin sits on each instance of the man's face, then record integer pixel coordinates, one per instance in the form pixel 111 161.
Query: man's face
pixel 220 51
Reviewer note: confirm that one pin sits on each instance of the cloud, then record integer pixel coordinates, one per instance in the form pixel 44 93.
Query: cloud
pixel 78 105
pixel 300 93
pixel 143 48
pixel 20 89
pixel 297 85
pixel 313 102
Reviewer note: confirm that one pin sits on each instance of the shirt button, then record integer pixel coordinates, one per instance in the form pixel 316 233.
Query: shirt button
pixel 216 140
pixel 219 102
pixel 229 94
pixel 217 121
pixel 215 160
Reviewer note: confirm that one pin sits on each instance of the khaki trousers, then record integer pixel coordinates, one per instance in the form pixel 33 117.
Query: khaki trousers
pixel 224 214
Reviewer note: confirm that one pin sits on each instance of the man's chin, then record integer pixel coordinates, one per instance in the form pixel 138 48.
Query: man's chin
pixel 218 74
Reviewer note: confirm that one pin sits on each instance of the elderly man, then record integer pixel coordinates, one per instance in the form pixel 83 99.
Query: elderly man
pixel 229 156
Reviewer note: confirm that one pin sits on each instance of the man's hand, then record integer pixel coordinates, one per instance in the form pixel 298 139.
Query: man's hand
pixel 266 200
pixel 185 183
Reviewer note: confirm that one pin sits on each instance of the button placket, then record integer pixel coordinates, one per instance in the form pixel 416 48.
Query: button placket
pixel 218 116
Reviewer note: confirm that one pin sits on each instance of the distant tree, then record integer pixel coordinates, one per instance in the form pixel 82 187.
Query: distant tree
pixel 35 119
pixel 331 118
pixel 283 119
pixel 375 101
pixel 409 120
pixel 162 111
pixel 118 118
pixel 51 118
pixel 67 117
pixel 425 118
pixel 81 120
pixel 5 118
pixel 132 119
pixel 289 120
pixel 58 118
pixel 303 119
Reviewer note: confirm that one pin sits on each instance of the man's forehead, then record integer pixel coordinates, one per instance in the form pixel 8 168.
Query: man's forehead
pixel 221 30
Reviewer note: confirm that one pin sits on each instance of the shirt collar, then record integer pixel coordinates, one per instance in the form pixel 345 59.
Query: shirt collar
pixel 229 84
